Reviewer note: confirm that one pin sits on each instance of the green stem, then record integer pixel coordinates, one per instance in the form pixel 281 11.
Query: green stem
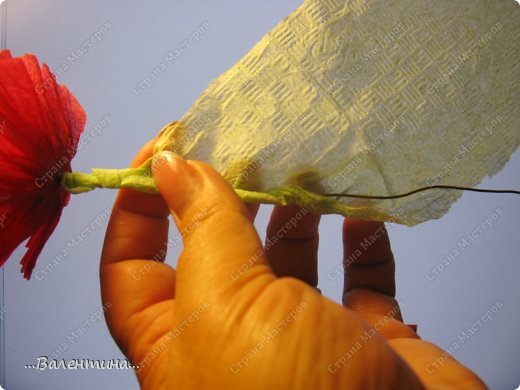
pixel 141 179
pixel 135 178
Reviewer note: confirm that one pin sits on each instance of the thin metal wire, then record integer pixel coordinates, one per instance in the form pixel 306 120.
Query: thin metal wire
pixel 427 188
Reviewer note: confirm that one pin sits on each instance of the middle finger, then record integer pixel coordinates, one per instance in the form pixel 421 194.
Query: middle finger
pixel 292 243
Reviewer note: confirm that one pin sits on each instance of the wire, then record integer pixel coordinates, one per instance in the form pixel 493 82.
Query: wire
pixel 445 187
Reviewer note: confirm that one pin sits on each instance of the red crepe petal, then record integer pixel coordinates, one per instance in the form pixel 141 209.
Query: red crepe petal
pixel 40 126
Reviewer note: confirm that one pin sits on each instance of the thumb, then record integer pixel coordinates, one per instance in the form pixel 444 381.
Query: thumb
pixel 222 250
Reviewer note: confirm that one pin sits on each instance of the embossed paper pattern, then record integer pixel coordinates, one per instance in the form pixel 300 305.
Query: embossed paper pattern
pixel 365 97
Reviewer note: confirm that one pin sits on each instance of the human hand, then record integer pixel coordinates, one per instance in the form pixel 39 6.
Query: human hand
pixel 224 320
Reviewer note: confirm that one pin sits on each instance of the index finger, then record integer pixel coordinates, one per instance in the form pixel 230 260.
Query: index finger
pixel 133 275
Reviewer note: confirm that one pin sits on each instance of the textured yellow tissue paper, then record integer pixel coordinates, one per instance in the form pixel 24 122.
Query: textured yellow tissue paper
pixel 375 97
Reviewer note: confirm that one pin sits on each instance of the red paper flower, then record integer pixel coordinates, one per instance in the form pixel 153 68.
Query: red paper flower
pixel 40 126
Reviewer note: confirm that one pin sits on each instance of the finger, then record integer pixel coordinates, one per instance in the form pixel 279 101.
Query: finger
pixel 222 251
pixel 133 277
pixel 367 257
pixel 253 210
pixel 292 243
pixel 369 287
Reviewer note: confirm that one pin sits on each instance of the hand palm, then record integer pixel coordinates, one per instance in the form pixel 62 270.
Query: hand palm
pixel 224 320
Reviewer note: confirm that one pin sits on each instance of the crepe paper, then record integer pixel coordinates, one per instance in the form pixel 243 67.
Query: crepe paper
pixel 365 97
pixel 41 123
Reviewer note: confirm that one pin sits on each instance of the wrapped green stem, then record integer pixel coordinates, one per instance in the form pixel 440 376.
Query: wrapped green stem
pixel 139 179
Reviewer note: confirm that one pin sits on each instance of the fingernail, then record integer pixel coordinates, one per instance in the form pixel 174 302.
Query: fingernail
pixel 162 158
pixel 171 164
pixel 176 179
